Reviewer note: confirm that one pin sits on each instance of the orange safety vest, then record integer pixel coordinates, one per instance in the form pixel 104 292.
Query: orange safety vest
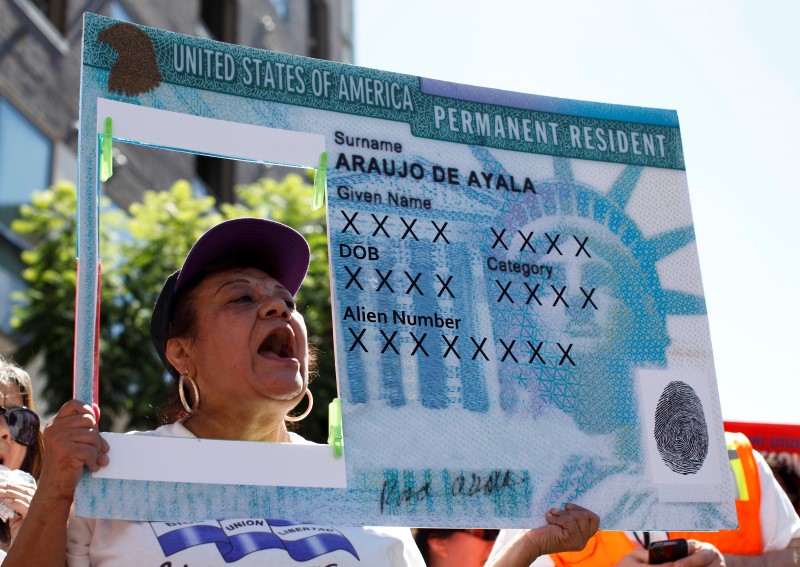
pixel 606 549
pixel 746 540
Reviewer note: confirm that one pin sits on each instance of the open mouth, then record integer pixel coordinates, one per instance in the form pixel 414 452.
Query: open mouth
pixel 277 344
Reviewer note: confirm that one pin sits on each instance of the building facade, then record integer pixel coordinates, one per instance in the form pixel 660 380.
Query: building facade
pixel 40 54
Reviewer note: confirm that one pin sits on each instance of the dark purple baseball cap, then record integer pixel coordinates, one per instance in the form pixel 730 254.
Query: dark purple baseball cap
pixel 275 248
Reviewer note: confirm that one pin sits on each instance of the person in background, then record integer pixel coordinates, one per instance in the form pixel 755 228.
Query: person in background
pixel 768 533
pixel 227 328
pixel 21 450
pixel 787 477
pixel 455 548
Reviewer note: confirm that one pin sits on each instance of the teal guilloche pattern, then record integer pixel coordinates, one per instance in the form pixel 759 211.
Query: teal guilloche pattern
pixel 512 276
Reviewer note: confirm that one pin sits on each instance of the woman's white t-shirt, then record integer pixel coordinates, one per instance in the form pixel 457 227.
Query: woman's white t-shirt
pixel 236 542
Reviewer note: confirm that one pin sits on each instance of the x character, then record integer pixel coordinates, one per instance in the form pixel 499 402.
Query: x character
pixel 353 278
pixel 532 293
pixel 418 345
pixel 582 246
pixel 350 221
pixel 560 296
pixel 526 241
pixel 445 286
pixel 389 342
pixel 553 244
pixel 588 297
pixel 380 225
pixel 536 354
pixel 504 291
pixel 451 346
pixel 565 355
pixel 439 232
pixel 357 341
pixel 498 238
pixel 409 229
pixel 508 350
pixel 413 283
pixel 384 280
pixel 479 348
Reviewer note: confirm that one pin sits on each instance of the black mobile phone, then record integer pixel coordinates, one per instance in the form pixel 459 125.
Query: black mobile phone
pixel 668 550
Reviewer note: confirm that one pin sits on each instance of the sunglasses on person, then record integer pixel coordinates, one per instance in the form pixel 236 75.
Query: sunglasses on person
pixel 23 424
pixel 486 535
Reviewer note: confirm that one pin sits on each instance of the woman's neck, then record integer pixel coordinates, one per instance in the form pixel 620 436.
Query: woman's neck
pixel 207 425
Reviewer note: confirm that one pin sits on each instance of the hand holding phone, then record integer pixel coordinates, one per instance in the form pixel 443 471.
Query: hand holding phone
pixel 666 551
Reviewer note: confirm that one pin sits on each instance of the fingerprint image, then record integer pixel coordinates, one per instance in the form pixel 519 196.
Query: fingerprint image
pixel 680 429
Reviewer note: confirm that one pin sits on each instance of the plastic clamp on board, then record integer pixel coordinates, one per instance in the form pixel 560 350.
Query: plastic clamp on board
pixel 106 161
pixel 320 182
pixel 335 438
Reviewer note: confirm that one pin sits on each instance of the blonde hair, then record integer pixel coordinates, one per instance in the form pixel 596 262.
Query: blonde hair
pixel 13 375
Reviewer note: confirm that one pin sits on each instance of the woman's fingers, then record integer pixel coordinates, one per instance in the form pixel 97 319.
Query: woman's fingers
pixel 72 441
pixel 577 525
pixel 10 489
pixel 701 554
pixel 574 517
pixel 85 451
pixel 634 559
pixel 74 414
pixel 17 496
pixel 566 530
pixel 19 505
pixel 73 407
pixel 76 421
pixel 588 521
pixel 74 447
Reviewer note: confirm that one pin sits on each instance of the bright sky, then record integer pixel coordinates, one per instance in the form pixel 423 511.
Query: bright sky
pixel 730 69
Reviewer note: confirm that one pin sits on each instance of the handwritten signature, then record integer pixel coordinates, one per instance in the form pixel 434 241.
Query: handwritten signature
pixel 465 485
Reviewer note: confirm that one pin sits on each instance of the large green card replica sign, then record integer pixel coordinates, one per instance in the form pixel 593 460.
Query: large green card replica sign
pixel 518 308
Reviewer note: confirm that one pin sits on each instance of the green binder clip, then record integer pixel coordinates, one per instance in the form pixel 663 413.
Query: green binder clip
pixel 320 182
pixel 335 438
pixel 106 161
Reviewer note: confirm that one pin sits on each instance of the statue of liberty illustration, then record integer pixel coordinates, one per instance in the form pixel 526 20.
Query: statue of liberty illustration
pixel 605 296
pixel 619 326
pixel 610 252
pixel 564 340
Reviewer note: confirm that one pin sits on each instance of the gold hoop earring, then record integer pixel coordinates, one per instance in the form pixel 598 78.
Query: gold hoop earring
pixel 190 409
pixel 302 416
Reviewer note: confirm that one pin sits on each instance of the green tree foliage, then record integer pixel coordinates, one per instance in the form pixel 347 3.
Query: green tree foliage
pixel 138 252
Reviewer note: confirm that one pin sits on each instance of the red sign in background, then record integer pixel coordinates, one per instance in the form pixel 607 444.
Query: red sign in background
pixel 773 440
